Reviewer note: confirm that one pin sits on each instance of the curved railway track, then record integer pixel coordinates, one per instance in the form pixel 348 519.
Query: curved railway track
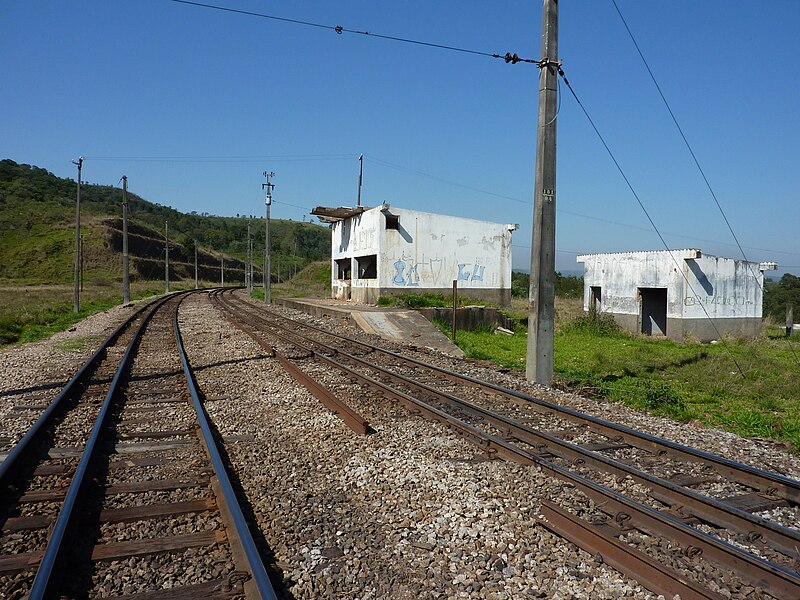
pixel 119 488
pixel 712 509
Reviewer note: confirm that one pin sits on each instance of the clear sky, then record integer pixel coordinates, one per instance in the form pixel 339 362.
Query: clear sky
pixel 135 85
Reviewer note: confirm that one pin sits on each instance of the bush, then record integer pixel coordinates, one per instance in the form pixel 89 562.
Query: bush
pixel 594 323
pixel 412 300
pixel 659 395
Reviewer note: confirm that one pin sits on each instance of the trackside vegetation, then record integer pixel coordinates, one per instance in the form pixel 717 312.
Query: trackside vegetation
pixel 750 387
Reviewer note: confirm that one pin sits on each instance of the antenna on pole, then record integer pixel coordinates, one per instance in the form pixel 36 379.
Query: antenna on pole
pixel 360 176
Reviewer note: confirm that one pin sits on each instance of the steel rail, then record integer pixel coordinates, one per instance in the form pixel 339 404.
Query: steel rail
pixel 633 563
pixel 44 581
pixel 11 461
pixel 243 534
pixel 707 508
pixel 337 406
pixel 777 580
pixel 760 479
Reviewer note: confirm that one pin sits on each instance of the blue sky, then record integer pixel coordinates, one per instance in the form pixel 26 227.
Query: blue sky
pixel 440 131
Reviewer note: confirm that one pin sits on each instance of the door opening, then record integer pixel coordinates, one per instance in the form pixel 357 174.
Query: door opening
pixel 653 309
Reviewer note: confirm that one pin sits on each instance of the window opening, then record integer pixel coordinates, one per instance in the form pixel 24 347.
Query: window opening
pixel 343 268
pixel 367 266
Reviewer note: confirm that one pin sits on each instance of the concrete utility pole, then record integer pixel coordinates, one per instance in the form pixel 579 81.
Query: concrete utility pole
pixel 267 272
pixel 76 301
pixel 248 274
pixel 166 257
pixel 360 176
pixel 222 271
pixel 196 283
pixel 541 312
pixel 126 281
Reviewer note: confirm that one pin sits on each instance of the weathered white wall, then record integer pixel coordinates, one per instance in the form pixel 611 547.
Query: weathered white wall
pixel 725 287
pixel 430 251
pixel 358 236
pixel 707 296
pixel 427 252
pixel 620 274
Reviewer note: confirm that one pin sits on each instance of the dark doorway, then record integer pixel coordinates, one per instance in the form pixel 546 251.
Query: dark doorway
pixel 595 299
pixel 654 310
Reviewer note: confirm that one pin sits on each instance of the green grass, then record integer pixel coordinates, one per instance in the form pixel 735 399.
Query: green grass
pixel 31 313
pixel 412 300
pixel 314 281
pixel 750 387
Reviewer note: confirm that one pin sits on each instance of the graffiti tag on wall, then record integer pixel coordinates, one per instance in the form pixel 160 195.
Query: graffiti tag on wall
pixel 723 301
pixel 409 273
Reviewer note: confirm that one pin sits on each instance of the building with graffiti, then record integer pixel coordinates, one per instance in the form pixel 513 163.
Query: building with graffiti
pixel 386 250
pixel 680 294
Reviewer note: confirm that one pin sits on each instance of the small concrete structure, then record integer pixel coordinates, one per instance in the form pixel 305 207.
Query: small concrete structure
pixel 385 250
pixel 396 324
pixel 679 294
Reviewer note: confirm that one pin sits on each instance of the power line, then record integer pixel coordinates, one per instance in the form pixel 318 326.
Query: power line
pixel 649 218
pixel 508 57
pixel 224 159
pixel 395 166
pixel 685 141
pixel 694 158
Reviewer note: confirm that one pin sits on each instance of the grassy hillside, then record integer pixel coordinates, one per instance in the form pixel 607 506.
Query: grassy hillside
pixel 37 217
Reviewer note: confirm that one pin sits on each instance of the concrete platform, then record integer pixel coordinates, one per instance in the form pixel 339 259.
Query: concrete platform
pixel 396 324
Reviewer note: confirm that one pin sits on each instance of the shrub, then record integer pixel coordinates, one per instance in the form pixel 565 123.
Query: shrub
pixel 594 323
pixel 659 395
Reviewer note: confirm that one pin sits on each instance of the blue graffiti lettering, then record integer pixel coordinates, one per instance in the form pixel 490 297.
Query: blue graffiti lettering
pixel 462 274
pixel 399 268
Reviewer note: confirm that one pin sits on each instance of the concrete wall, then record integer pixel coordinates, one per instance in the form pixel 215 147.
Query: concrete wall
pixel 424 254
pixel 707 296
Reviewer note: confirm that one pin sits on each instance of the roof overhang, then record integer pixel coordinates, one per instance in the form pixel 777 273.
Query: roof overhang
pixel 328 214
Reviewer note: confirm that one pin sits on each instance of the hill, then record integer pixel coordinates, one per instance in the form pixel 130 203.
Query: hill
pixel 37 229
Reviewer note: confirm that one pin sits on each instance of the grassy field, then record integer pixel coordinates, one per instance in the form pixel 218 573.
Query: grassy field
pixel 750 387
pixel 30 313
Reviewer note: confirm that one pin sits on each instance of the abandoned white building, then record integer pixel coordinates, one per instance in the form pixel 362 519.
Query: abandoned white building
pixel 679 294
pixel 386 250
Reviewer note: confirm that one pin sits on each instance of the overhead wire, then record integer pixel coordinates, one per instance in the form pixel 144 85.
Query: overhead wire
pixel 683 136
pixel 649 218
pixel 694 158
pixel 224 159
pixel 508 57
pixel 384 163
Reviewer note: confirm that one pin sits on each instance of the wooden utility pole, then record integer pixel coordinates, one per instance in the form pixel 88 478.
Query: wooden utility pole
pixel 126 281
pixel 196 282
pixel 222 271
pixel 541 312
pixel 267 272
pixel 76 300
pixel 166 257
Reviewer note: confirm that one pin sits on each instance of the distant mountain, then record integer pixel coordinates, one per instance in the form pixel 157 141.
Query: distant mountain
pixel 37 234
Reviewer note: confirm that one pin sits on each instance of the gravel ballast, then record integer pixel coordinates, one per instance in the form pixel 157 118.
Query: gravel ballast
pixel 410 511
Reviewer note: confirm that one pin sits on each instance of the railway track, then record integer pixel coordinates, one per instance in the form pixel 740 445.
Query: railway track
pixel 119 488
pixel 702 517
